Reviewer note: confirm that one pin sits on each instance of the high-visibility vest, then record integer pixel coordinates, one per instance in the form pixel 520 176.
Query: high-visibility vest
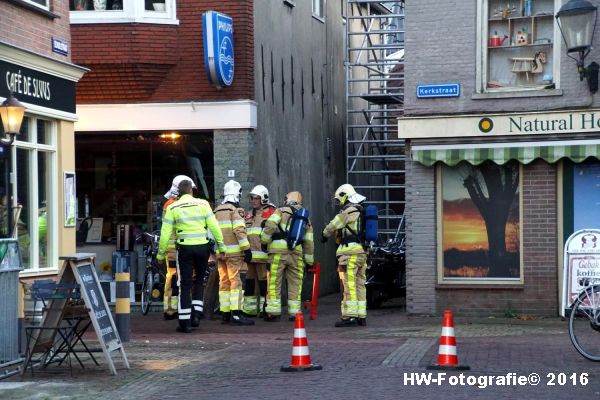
pixel 190 218
pixel 346 222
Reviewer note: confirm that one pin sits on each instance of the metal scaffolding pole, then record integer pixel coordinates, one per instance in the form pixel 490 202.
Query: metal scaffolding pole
pixel 374 66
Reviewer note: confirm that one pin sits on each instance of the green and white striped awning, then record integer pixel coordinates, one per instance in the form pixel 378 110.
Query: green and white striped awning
pixel 501 153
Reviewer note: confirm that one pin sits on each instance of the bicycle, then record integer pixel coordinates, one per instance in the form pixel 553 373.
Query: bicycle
pixel 153 275
pixel 584 321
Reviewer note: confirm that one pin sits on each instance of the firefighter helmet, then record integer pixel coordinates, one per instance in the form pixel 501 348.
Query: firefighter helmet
pixel 232 191
pixel 346 192
pixel 262 192
pixel 174 191
pixel 293 198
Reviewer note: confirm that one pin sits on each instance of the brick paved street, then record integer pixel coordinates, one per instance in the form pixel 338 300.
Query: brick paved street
pixel 218 361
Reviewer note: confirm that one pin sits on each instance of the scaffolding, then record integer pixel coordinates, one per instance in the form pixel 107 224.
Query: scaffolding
pixel 374 66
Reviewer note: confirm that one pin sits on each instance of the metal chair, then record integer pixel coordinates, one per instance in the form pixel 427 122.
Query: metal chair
pixel 62 327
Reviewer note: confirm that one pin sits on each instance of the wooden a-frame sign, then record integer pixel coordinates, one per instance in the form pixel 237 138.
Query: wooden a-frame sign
pixel 80 267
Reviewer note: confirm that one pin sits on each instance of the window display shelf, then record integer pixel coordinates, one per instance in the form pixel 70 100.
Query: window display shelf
pixel 520 46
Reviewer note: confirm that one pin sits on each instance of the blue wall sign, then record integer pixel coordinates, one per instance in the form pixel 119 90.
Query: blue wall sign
pixel 440 90
pixel 60 46
pixel 218 48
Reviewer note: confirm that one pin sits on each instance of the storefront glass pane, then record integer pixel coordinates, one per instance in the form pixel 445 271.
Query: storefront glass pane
pixel 24 203
pixel 122 178
pixel 43 180
pixel 586 195
pixel 4 169
pixel 25 134
pixel 480 222
pixel 43 132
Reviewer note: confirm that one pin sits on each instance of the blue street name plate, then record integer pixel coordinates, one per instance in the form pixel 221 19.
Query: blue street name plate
pixel 440 90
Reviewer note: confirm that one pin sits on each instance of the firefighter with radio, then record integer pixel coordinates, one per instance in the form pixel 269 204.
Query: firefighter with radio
pixel 189 218
pixel 231 265
pixel 352 258
pixel 288 237
pixel 262 209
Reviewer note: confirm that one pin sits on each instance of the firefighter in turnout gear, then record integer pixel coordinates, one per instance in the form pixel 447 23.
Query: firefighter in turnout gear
pixel 171 291
pixel 232 264
pixel 285 261
pixel 352 259
pixel 189 218
pixel 257 269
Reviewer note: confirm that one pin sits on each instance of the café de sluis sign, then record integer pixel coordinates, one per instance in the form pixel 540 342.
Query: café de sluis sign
pixel 218 48
pixel 36 87
pixel 500 124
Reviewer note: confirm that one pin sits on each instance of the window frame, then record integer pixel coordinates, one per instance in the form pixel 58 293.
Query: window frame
pixel 34 148
pixel 133 12
pixel 481 69
pixel 473 281
pixel 38 5
pixel 320 12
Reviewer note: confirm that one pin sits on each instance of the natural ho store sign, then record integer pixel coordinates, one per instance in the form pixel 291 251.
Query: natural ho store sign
pixel 582 264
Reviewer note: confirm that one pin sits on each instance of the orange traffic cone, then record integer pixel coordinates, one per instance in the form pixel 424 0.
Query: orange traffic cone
pixel 447 358
pixel 300 355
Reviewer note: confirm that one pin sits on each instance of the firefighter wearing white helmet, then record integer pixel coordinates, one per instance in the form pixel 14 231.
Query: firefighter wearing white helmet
pixel 189 218
pixel 231 264
pixel 171 291
pixel 351 256
pixel 286 261
pixel 261 210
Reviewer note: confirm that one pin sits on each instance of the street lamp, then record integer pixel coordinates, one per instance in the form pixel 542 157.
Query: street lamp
pixel 11 113
pixel 577 22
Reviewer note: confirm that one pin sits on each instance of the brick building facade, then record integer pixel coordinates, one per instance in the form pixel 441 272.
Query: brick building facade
pixel 147 79
pixel 500 121
pixel 36 67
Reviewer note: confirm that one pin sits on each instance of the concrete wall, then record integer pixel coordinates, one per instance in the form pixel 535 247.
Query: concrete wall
pixel 299 90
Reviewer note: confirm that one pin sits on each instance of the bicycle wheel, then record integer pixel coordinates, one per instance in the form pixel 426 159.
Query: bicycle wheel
pixel 147 291
pixel 584 323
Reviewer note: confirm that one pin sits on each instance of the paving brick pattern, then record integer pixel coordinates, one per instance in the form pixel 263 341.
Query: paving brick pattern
pixel 226 362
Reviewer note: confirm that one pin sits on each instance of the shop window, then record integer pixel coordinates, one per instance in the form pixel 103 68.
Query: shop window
pixel 581 196
pixel 480 218
pixel 518 45
pixel 122 11
pixel 35 193
pixel 122 178
pixel 318 8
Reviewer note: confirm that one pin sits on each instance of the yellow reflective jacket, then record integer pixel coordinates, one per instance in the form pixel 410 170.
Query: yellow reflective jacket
pixel 346 222
pixel 274 234
pixel 190 218
pixel 231 222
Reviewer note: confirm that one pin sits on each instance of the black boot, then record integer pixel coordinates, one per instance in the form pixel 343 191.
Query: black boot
pixel 238 318
pixel 226 317
pixel 271 318
pixel 362 321
pixel 184 326
pixel 347 322
pixel 195 319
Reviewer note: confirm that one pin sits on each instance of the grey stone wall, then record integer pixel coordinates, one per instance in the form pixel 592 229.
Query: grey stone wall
pixel 420 239
pixel 299 86
pixel 233 150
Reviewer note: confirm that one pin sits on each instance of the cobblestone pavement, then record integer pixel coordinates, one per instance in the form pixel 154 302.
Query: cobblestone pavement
pixel 379 361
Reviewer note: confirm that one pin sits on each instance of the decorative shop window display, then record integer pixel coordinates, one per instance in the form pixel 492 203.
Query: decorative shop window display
pixel 481 223
pixel 104 5
pixel 520 45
